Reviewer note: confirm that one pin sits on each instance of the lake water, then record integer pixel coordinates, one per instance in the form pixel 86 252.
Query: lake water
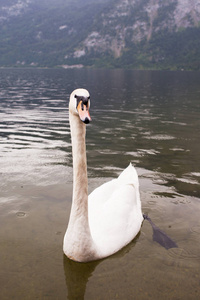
pixel 151 119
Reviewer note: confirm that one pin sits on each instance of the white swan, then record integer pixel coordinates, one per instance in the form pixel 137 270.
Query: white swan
pixel 111 216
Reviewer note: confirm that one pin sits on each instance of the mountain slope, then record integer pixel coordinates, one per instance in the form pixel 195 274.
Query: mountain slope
pixel 140 34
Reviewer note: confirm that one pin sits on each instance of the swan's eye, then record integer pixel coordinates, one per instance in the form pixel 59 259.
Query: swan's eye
pixel 83 100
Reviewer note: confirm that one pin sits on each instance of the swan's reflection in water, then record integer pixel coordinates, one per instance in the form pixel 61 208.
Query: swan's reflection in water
pixel 77 274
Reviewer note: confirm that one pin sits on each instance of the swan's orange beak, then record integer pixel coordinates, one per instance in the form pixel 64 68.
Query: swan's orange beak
pixel 83 111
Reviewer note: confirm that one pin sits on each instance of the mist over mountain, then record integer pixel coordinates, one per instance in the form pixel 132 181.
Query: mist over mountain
pixel 140 34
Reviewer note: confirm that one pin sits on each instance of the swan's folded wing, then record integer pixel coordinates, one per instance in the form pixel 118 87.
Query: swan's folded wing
pixel 118 220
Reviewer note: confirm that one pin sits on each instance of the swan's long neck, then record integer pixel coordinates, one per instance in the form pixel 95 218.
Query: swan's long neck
pixel 80 182
pixel 78 241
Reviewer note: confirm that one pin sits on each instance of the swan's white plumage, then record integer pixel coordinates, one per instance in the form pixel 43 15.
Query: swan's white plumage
pixel 111 216
pixel 115 215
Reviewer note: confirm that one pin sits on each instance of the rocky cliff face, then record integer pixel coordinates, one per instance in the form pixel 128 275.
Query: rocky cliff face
pixel 9 9
pixel 131 21
pixel 112 33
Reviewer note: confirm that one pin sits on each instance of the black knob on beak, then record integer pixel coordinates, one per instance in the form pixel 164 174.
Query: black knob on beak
pixel 86 121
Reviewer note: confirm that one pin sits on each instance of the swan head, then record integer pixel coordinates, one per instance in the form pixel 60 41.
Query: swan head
pixel 79 104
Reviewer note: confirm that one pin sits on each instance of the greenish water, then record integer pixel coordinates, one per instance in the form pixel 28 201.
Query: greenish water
pixel 151 119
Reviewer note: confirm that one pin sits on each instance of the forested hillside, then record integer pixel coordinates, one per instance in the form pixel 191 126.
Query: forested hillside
pixel 140 34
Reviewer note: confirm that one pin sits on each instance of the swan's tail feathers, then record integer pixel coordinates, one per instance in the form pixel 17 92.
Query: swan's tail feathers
pixel 129 176
pixel 161 237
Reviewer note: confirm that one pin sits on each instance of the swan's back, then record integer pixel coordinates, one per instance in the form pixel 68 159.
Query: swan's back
pixel 115 215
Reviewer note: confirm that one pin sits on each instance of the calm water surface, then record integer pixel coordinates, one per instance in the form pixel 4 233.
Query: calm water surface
pixel 151 119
